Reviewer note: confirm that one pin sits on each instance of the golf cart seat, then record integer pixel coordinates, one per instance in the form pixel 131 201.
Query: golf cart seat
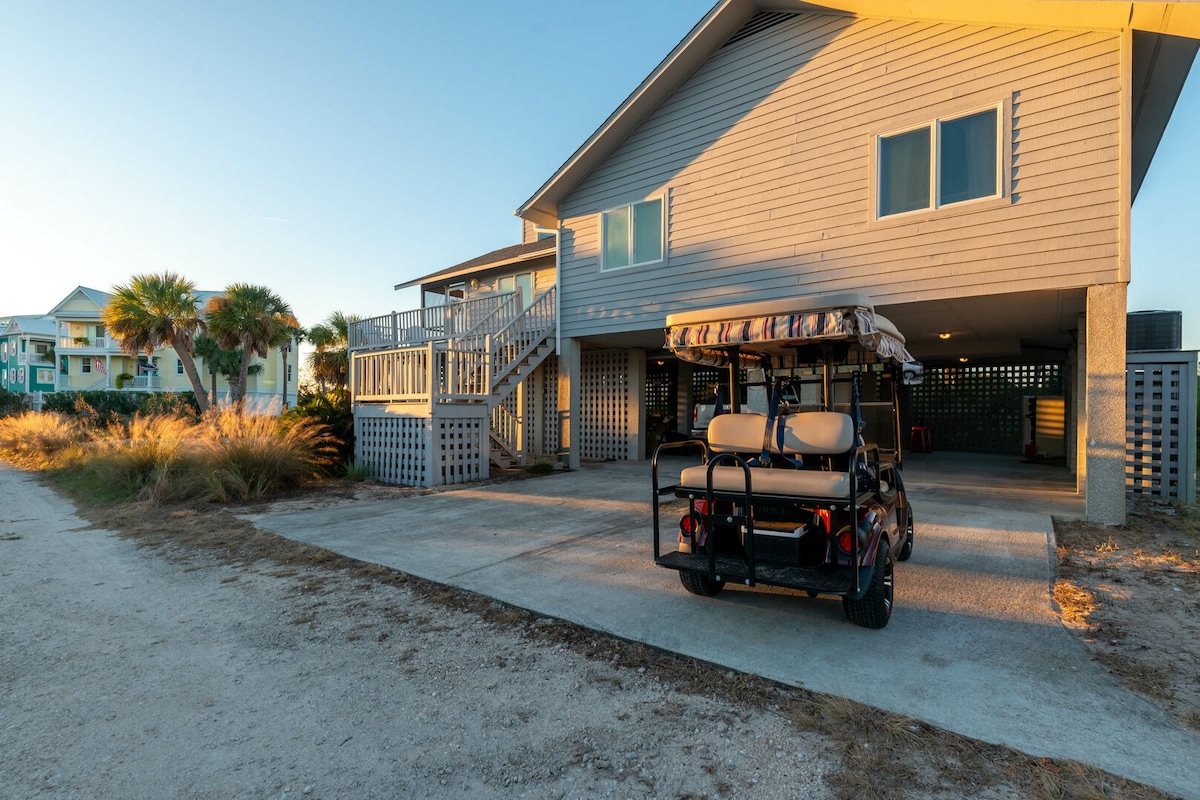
pixel 810 435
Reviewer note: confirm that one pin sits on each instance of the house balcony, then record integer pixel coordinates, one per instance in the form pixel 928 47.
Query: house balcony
pixel 87 345
pixel 34 360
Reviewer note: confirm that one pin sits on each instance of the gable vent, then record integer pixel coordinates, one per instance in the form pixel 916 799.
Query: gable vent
pixel 759 23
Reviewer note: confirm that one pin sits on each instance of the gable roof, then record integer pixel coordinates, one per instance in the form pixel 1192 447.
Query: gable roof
pixel 32 325
pixel 101 299
pixel 1164 48
pixel 97 297
pixel 503 257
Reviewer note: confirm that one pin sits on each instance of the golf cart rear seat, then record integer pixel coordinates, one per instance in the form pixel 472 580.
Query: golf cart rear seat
pixel 810 435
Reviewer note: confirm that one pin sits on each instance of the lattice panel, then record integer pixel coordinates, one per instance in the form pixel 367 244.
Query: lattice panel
pixel 461 449
pixel 395 447
pixel 541 407
pixel 978 409
pixel 1154 402
pixel 660 390
pixel 704 381
pixel 606 398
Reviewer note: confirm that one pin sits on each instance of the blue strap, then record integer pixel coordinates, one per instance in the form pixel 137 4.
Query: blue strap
pixel 764 458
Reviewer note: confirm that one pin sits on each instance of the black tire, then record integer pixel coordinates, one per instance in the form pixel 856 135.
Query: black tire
pixel 697 583
pixel 906 549
pixel 875 608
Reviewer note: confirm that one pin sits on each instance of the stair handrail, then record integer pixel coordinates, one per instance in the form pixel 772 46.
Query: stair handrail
pixel 509 307
pixel 541 314
pixel 504 422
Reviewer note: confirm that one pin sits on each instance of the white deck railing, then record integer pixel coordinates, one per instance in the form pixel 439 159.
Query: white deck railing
pixel 454 320
pixel 463 368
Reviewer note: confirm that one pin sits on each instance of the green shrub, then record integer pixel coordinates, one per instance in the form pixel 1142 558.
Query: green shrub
pixel 104 404
pixel 354 471
pixel 331 410
pixel 12 403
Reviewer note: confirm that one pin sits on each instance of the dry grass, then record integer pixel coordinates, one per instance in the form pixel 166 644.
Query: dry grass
pixel 1132 593
pixel 1075 603
pixel 224 456
pixel 41 441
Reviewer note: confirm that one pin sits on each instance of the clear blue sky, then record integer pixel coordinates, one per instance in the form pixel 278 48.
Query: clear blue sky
pixel 332 150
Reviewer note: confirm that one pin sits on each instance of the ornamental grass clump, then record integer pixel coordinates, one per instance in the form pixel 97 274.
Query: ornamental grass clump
pixel 155 458
pixel 41 441
pixel 248 457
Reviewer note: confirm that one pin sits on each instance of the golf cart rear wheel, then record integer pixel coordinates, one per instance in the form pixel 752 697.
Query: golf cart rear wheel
pixel 699 584
pixel 906 548
pixel 875 608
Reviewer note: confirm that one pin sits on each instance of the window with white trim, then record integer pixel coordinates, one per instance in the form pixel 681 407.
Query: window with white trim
pixel 947 161
pixel 179 366
pixel 633 235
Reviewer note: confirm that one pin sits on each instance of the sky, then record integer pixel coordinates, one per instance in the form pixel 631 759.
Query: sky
pixel 331 150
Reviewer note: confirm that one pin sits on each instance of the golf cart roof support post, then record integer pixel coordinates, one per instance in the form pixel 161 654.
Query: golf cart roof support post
pixel 735 390
pixel 899 439
pixel 827 377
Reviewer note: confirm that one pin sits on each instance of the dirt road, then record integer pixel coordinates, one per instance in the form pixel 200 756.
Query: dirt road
pixel 195 669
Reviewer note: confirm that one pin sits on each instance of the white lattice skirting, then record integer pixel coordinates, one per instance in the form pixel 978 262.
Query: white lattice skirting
pixel 449 447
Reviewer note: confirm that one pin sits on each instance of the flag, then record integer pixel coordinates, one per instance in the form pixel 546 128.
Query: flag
pixel 99 366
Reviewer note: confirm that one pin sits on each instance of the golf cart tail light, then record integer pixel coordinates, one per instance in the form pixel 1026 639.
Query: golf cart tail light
pixel 844 541
pixel 685 524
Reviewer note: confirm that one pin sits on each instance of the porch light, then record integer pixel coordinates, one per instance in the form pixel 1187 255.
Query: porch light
pixel 944 335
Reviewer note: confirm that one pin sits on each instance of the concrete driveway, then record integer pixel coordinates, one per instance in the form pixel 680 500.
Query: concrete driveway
pixel 973 645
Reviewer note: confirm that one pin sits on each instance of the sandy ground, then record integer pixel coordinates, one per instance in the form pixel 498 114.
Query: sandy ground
pixel 1132 593
pixel 194 657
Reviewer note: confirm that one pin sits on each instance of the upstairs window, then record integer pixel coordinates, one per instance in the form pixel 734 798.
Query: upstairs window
pixel 945 162
pixel 632 235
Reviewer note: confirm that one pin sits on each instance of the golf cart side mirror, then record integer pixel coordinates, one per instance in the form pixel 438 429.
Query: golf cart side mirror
pixel 912 373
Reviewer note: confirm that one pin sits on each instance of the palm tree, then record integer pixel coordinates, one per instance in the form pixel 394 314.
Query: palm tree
pixel 330 360
pixel 158 310
pixel 219 361
pixel 253 318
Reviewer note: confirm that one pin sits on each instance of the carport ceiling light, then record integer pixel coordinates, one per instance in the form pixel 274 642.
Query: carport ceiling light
pixel 944 335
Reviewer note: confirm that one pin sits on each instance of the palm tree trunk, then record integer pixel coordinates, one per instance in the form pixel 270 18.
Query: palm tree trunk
pixel 193 376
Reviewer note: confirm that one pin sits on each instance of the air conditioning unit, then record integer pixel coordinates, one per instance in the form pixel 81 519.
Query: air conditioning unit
pixel 1154 330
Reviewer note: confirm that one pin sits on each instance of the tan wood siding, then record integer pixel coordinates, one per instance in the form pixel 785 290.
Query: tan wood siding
pixel 765 157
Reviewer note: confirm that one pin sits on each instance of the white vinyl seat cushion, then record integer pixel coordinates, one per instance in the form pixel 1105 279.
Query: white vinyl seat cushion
pixel 792 482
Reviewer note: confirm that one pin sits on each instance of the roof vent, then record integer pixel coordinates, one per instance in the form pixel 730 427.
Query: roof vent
pixel 759 23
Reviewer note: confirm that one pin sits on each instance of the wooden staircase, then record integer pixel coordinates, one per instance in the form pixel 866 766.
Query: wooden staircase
pixel 473 352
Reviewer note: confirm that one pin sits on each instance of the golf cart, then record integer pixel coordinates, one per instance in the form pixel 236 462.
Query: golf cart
pixel 811 499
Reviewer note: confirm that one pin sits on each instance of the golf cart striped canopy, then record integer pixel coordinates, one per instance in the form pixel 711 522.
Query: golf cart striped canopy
pixel 773 334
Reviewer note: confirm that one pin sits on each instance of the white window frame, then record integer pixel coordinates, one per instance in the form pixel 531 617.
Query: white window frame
pixel 935 160
pixel 628 208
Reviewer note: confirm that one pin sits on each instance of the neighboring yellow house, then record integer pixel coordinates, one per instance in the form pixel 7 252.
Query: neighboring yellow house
pixel 90 360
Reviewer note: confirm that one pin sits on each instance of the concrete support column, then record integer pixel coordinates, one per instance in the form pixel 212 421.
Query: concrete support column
pixel 1104 359
pixel 570 401
pixel 635 405
pixel 1078 378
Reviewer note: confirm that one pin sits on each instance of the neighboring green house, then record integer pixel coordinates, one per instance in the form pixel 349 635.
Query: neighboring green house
pixel 27 355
